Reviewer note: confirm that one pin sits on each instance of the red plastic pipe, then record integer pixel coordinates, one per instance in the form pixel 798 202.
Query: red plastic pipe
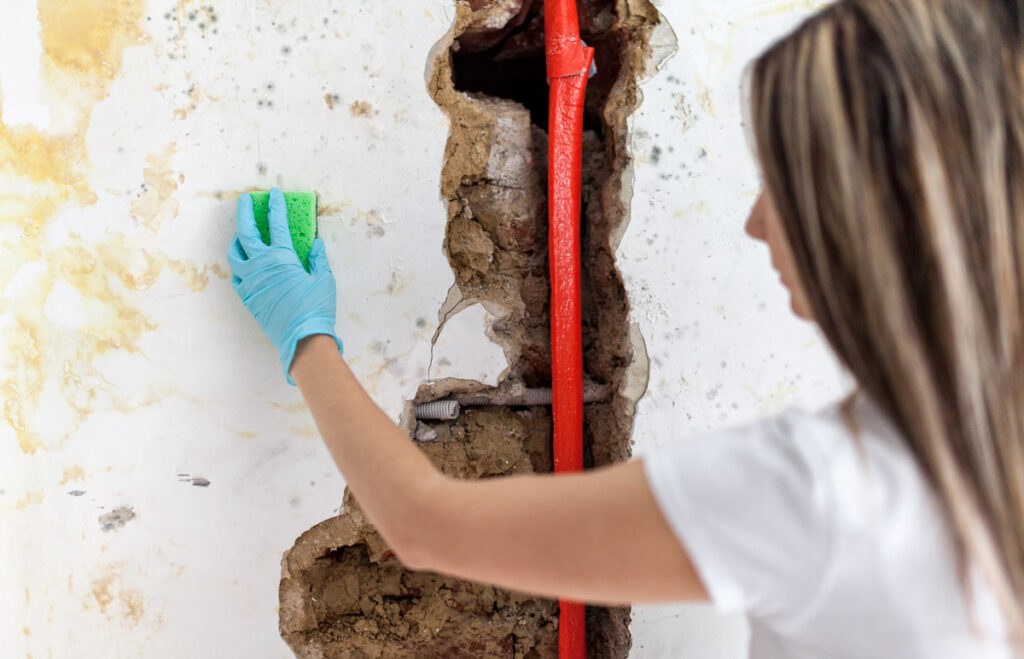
pixel 568 66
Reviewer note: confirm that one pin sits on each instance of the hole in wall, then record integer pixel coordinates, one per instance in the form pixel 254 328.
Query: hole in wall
pixel 488 76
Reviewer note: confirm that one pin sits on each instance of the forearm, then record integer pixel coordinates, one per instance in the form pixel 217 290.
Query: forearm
pixel 597 536
pixel 390 477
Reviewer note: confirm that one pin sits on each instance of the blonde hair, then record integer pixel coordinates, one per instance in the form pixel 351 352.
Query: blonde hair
pixel 891 138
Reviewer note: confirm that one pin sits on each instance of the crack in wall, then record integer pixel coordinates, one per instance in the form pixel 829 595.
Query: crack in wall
pixel 487 75
pixel 448 309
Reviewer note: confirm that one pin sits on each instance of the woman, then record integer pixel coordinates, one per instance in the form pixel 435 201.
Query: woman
pixel 890 134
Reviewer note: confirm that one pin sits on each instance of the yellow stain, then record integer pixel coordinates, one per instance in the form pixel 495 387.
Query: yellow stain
pixel 43 175
pixel 775 8
pixel 30 499
pixel 75 473
pixel 292 408
pixel 86 38
pixel 306 430
pixel 157 205
pixel 110 588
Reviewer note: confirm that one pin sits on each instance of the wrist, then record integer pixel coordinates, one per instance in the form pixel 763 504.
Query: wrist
pixel 312 351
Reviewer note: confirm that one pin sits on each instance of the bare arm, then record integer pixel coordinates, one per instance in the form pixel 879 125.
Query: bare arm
pixel 597 537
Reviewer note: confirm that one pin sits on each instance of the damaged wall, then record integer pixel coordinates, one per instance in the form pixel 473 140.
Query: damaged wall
pixel 153 464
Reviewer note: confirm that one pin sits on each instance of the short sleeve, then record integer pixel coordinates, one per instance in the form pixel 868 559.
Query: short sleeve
pixel 751 507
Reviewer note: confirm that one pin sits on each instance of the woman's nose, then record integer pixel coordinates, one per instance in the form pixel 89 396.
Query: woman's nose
pixel 755 223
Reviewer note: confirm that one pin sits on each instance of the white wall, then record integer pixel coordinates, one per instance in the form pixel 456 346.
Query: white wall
pixel 724 347
pixel 183 381
pixel 129 368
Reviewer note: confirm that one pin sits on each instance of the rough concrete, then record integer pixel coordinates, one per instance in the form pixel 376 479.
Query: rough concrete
pixel 343 594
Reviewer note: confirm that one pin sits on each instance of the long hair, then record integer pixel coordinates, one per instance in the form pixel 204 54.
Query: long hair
pixel 891 138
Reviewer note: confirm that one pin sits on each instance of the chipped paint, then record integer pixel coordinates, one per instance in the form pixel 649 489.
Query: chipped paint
pixel 116 518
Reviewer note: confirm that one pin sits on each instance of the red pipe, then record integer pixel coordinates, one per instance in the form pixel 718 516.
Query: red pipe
pixel 568 65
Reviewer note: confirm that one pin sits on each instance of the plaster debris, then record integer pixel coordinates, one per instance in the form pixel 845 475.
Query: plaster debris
pixel 425 433
pixel 117 518
pixel 464 351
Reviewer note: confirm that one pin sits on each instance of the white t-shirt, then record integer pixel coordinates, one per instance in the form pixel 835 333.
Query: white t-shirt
pixel 834 546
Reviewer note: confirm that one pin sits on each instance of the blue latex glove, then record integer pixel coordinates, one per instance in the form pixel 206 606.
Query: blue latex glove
pixel 288 302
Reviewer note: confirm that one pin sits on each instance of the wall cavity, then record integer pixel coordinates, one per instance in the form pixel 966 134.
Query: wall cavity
pixel 342 593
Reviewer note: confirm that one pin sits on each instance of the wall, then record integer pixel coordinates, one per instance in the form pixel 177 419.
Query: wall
pixel 724 347
pixel 153 463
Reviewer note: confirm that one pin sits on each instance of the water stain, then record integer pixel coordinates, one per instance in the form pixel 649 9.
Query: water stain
pixel 156 204
pixel 114 599
pixel 306 430
pixel 104 276
pixel 75 473
pixel 194 97
pixel 291 408
pixel 778 8
pixel 30 499
pixel 45 175
pixel 85 39
pixel 40 173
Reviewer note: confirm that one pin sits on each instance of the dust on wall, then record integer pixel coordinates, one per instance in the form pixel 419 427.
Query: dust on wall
pixel 343 593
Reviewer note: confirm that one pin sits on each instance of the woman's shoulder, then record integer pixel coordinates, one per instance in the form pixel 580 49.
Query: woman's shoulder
pixel 854 428
pixel 855 447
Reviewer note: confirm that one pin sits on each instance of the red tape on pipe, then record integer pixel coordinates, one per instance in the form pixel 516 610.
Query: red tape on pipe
pixel 565 54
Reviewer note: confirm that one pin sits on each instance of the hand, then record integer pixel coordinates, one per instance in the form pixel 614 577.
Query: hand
pixel 289 303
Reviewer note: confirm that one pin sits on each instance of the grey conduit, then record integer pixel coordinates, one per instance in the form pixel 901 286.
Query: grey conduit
pixel 438 409
pixel 449 408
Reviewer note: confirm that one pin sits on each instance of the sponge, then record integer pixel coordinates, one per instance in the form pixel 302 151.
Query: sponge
pixel 301 220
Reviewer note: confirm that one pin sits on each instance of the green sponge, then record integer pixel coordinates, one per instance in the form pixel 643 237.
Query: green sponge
pixel 301 220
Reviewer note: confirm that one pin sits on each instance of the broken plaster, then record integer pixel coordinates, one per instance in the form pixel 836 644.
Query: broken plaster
pixel 464 350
